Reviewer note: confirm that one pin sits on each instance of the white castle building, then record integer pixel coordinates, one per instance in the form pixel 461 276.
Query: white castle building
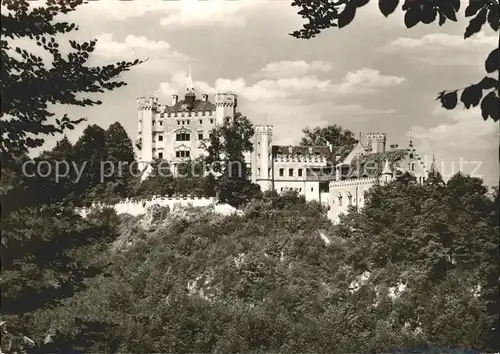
pixel 336 176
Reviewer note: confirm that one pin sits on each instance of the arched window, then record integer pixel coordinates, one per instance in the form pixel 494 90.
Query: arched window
pixel 340 199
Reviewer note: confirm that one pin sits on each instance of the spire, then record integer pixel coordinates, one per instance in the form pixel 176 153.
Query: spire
pixel 409 138
pixel 189 83
pixel 387 168
pixel 433 169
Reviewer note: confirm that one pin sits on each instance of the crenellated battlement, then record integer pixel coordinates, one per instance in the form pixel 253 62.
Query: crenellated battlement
pixel 354 182
pixel 225 99
pixel 147 103
pixel 306 159
pixel 264 129
pixel 376 137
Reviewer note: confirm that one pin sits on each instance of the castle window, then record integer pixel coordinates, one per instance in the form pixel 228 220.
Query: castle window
pixel 299 172
pixel 258 172
pixel 201 122
pixel 200 136
pixel 178 122
pixel 182 153
pixel 412 166
pixel 182 137
pixel 258 143
pixel 211 121
pixel 349 197
pixel 290 172
pixel 282 172
pixel 300 190
pixel 269 172
pixel 203 113
pixel 312 189
pixel 160 137
pixel 160 155
pixel 211 135
pixel 340 200
pixel 161 123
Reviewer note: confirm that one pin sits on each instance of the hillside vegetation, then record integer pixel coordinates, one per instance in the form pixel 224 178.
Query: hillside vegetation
pixel 418 265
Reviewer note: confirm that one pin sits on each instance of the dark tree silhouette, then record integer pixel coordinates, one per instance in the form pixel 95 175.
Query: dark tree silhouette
pixel 29 83
pixel 322 14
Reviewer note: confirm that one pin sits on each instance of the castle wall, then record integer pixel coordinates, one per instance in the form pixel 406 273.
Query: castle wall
pixel 139 207
pixel 346 193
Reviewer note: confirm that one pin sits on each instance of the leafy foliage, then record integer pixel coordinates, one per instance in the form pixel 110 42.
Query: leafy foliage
pixel 265 281
pixel 225 148
pixel 332 134
pixel 30 83
pixel 322 15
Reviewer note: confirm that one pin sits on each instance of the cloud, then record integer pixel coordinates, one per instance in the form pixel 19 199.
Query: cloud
pixel 123 10
pixel 441 40
pixel 263 90
pixel 291 102
pixel 443 48
pixel 295 68
pixel 302 88
pixel 367 80
pixel 461 130
pixel 160 54
pixel 195 13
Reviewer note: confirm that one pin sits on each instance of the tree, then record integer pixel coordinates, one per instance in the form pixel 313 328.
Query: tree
pixel 438 240
pixel 332 134
pixel 89 154
pixel 29 83
pixel 119 167
pixel 322 15
pixel 226 148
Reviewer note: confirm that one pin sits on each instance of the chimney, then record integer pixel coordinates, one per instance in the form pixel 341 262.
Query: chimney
pixel 204 97
pixel 175 99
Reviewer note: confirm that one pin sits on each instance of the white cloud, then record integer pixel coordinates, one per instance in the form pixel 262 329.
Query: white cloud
pixel 263 90
pixel 443 49
pixel 195 13
pixel 132 46
pixel 122 10
pixel 441 40
pixel 295 68
pixel 307 87
pixel 367 80
pixel 461 130
pixel 159 54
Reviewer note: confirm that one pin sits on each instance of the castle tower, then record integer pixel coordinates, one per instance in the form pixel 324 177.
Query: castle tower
pixel 262 171
pixel 387 174
pixel 146 111
pixel 225 106
pixel 376 141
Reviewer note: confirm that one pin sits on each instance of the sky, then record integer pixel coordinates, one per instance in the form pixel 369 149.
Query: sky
pixel 372 76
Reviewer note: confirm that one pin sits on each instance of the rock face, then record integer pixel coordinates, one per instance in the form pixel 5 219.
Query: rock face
pixel 154 216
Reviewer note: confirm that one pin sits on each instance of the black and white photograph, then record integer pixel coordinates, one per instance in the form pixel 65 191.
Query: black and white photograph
pixel 250 176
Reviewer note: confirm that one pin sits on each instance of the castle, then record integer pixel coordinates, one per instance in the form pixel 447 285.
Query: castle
pixel 336 176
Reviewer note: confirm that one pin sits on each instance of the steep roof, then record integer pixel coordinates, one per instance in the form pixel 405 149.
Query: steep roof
pixel 323 151
pixel 373 164
pixel 198 106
